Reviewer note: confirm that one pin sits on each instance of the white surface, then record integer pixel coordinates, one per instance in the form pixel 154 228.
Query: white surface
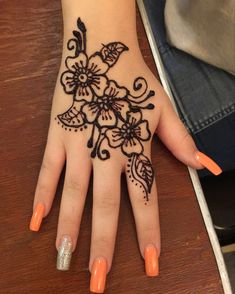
pixel 193 174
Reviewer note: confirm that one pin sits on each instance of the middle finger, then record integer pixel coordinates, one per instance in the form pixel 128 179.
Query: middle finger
pixel 106 200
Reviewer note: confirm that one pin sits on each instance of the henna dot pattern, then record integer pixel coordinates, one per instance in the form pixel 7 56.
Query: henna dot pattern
pixel 114 112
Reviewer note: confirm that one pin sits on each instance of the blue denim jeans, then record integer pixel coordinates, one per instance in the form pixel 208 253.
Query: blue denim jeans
pixel 204 95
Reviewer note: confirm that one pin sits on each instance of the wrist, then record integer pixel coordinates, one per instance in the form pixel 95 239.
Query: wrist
pixel 106 21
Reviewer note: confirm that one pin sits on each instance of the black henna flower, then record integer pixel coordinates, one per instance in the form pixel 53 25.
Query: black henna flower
pixel 106 110
pixel 85 77
pixel 130 134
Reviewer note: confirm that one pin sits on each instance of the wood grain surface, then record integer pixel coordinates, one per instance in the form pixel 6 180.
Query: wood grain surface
pixel 30 52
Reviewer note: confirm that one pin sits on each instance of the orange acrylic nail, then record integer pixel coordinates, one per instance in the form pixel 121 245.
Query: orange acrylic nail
pixel 98 275
pixel 208 163
pixel 37 217
pixel 151 261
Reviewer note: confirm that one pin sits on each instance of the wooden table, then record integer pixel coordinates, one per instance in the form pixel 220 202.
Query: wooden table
pixel 30 52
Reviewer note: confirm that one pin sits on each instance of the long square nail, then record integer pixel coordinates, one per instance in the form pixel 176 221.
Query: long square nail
pixel 37 217
pixel 208 163
pixel 151 261
pixel 64 253
pixel 98 275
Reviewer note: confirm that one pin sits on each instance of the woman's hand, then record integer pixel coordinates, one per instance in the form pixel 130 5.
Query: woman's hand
pixel 106 108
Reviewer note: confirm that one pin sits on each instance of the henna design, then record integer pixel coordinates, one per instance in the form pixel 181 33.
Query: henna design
pixel 113 111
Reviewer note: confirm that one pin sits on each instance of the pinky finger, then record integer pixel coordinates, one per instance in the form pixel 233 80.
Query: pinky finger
pixel 50 171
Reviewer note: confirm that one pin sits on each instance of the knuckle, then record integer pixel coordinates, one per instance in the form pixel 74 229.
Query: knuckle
pixel 150 236
pixel 67 220
pixel 185 137
pixel 74 185
pixel 42 188
pixel 103 242
pixel 107 202
pixel 47 163
pixel 150 231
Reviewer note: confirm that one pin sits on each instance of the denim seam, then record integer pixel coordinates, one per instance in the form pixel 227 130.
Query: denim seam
pixel 199 126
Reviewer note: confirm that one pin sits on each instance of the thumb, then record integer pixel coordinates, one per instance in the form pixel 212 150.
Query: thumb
pixel 175 136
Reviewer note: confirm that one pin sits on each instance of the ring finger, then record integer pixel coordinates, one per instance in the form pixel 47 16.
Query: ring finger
pixel 72 203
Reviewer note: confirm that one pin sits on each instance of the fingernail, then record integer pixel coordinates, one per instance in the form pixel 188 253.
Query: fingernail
pixel 151 261
pixel 208 163
pixel 98 275
pixel 64 253
pixel 37 216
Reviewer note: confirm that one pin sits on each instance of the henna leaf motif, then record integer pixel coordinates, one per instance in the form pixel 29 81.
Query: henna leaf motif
pixel 72 118
pixel 111 52
pixel 142 171
pixel 81 25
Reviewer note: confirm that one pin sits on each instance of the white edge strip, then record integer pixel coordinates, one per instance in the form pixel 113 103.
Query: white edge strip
pixel 193 174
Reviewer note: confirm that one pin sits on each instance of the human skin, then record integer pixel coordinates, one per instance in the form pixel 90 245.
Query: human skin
pixel 106 21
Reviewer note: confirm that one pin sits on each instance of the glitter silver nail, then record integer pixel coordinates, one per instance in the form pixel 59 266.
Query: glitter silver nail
pixel 64 253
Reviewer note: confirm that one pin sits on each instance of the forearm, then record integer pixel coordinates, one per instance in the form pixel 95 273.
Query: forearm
pixel 106 21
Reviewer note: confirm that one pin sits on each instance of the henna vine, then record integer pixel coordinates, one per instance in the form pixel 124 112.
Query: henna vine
pixel 114 112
